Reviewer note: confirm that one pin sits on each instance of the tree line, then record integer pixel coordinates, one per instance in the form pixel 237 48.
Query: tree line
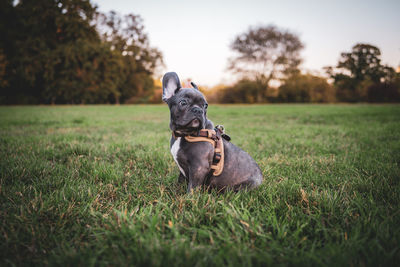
pixel 265 55
pixel 67 52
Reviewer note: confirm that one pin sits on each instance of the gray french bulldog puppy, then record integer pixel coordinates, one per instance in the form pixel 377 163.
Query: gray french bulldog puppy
pixel 188 110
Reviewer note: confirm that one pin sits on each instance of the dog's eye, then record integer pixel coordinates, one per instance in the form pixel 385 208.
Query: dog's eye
pixel 206 105
pixel 183 103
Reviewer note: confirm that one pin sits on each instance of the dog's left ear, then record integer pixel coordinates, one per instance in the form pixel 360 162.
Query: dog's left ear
pixel 171 85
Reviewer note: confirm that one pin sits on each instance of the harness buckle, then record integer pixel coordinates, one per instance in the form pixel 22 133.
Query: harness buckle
pixel 217 158
pixel 221 128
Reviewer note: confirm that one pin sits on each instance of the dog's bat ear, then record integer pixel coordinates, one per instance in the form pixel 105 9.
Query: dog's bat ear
pixel 194 85
pixel 171 85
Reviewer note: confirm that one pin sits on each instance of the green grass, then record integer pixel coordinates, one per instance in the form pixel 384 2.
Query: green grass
pixel 96 185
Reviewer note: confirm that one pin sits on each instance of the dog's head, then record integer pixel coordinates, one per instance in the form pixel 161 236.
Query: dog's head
pixel 188 106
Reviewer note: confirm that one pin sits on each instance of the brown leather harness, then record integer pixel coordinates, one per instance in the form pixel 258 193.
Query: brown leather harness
pixel 214 137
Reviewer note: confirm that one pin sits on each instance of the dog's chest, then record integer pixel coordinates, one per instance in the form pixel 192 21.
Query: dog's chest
pixel 174 151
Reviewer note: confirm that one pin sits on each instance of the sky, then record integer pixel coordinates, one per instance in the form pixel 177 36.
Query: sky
pixel 194 36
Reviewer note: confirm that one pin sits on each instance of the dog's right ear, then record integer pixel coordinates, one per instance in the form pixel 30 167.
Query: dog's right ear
pixel 170 84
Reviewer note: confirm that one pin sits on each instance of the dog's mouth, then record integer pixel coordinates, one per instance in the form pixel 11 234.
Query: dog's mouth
pixel 189 128
pixel 194 123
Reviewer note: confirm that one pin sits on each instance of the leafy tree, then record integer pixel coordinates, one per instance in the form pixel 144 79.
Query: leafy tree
pixel 127 38
pixel 358 70
pixel 264 54
pixel 8 33
pixel 64 51
pixel 39 29
pixel 85 72
pixel 363 61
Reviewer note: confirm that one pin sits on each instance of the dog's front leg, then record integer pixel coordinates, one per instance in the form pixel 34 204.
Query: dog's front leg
pixel 197 175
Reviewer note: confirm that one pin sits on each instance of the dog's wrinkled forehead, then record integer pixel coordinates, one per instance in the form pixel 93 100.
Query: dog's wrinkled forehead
pixel 189 93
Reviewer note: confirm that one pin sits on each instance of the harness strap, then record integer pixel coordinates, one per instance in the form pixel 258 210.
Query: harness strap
pixel 214 138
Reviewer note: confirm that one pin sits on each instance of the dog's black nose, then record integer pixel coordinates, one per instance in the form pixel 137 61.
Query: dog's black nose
pixel 197 110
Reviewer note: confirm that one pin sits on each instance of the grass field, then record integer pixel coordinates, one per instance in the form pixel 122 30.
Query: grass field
pixel 96 185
